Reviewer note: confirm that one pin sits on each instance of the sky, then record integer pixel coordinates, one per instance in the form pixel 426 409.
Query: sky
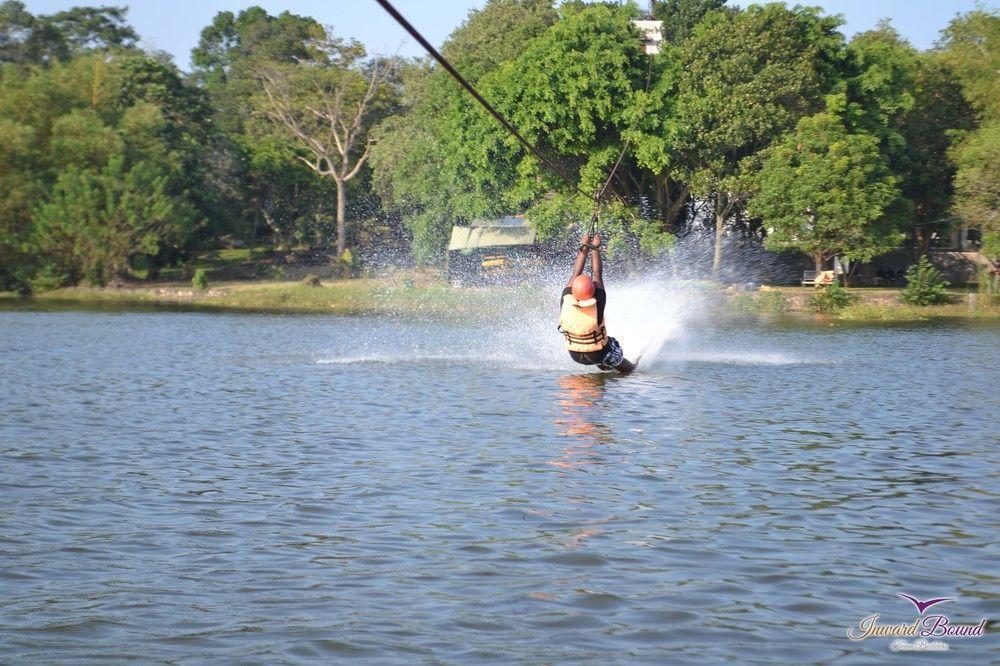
pixel 174 25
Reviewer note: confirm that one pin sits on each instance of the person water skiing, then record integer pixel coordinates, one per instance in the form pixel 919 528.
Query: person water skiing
pixel 581 314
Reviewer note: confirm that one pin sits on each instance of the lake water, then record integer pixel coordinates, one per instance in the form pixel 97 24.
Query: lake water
pixel 194 487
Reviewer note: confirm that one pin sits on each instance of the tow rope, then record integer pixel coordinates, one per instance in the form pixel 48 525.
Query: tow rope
pixel 534 150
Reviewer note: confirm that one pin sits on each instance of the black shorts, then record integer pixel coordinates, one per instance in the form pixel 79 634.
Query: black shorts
pixel 606 359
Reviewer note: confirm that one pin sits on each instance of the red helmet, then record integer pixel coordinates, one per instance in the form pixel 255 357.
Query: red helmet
pixel 583 290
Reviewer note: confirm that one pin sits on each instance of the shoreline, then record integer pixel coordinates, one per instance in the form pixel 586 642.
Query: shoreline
pixel 871 305
pixel 431 298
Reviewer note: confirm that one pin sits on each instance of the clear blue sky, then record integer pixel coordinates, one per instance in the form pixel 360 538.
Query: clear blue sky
pixel 174 25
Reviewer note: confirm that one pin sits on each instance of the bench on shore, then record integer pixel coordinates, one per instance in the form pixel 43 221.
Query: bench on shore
pixel 815 278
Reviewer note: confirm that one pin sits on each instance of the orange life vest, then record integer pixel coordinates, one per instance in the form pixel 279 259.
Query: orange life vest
pixel 579 326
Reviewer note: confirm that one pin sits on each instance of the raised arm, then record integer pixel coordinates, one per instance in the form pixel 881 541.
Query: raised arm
pixel 581 259
pixel 595 262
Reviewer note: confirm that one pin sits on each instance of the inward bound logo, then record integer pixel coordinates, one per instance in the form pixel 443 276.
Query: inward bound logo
pixel 925 629
pixel 922 605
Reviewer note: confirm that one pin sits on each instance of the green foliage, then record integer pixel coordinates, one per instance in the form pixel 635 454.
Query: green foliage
pixel 430 236
pixel 881 70
pixel 926 174
pixel 765 117
pixel 272 191
pixel 422 161
pixel 883 311
pixel 746 78
pixel 826 191
pixel 95 220
pixel 20 188
pixel 569 89
pixel 681 16
pixel 312 281
pixel 988 287
pixel 288 94
pixel 762 302
pixel 495 34
pixel 830 298
pixel 105 161
pixel 771 301
pixel 977 183
pixel 27 39
pixel 49 277
pixel 200 279
pixel 971 46
pixel 230 44
pixel 738 83
pixel 80 139
pixel 576 88
pixel 553 215
pixel 924 284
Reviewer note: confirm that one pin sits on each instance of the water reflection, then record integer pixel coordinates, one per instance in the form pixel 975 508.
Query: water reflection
pixel 579 420
pixel 585 434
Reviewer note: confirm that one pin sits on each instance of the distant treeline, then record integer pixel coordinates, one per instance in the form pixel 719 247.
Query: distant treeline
pixel 762 122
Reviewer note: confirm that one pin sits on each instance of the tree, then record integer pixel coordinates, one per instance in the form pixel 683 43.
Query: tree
pixel 328 112
pixel 93 28
pixel 421 162
pixel 496 34
pixel 927 174
pixel 746 78
pixel 681 16
pixel 409 163
pixel 27 39
pixel 971 46
pixel 880 72
pixel 913 103
pixel 826 191
pixel 925 285
pixel 568 93
pixel 96 220
pixel 582 91
pixel 578 90
pixel 267 185
pixel 19 190
pixel 233 42
pixel 101 128
pixel 977 183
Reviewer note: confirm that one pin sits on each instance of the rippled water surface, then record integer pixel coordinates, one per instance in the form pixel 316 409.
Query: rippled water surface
pixel 190 487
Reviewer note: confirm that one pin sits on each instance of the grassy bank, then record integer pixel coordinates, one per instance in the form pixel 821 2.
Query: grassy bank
pixel 869 305
pixel 341 297
pixel 431 298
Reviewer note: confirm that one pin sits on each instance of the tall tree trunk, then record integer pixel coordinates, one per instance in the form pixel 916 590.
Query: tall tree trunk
pixel 676 205
pixel 921 242
pixel 818 262
pixel 341 216
pixel 668 203
pixel 720 227
pixel 278 240
pixel 849 275
pixel 661 198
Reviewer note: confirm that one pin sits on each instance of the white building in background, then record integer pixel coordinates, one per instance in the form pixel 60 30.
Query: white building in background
pixel 652 32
